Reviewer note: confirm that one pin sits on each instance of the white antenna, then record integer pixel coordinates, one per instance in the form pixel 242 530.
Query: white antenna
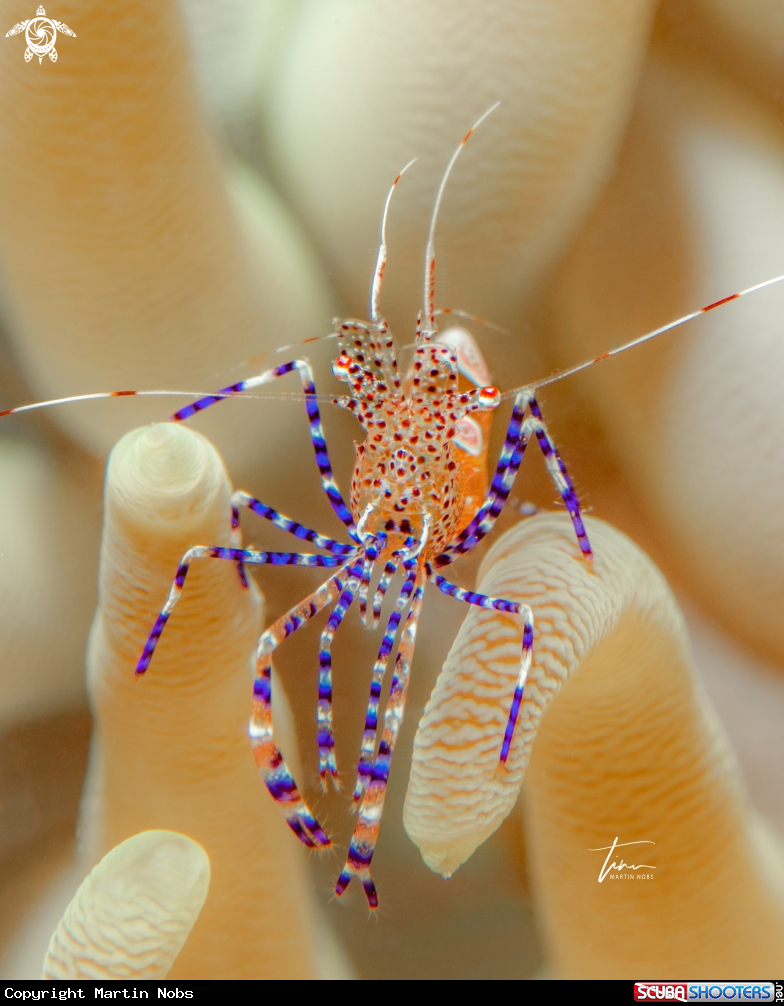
pixel 642 338
pixel 430 253
pixel 381 261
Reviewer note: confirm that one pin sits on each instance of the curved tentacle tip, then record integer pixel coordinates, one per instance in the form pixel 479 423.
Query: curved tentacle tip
pixel 158 468
pixel 460 791
pixel 132 914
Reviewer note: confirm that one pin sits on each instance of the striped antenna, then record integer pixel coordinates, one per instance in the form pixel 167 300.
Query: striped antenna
pixel 295 396
pixel 93 397
pixel 381 261
pixel 292 396
pixel 430 252
pixel 642 338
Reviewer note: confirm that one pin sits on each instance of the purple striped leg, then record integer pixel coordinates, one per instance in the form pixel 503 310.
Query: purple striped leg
pixel 513 608
pixel 471 596
pixel 367 750
pixel 506 471
pixel 560 476
pixel 242 499
pixel 363 841
pixel 328 483
pixel 383 585
pixel 371 554
pixel 517 438
pixel 273 769
pixel 372 551
pixel 326 739
pixel 238 555
pixel 236 542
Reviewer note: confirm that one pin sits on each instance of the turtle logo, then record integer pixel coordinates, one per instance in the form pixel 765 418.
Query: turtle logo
pixel 40 33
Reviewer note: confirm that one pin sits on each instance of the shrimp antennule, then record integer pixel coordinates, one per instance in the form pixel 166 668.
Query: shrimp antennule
pixel 430 252
pixel 381 261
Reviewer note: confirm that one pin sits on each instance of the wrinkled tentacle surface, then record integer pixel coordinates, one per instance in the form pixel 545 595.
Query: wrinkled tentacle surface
pixel 616 740
pixel 132 914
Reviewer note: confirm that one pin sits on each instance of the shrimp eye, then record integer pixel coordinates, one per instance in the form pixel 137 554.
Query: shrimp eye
pixel 489 397
pixel 341 365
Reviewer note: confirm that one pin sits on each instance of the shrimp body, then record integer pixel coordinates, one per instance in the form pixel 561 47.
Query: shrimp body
pixel 408 472
pixel 417 503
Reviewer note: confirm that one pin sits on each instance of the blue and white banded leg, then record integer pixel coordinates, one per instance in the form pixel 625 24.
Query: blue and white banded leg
pixel 383 585
pixel 512 608
pixel 272 767
pixel 236 555
pixel 518 435
pixel 559 475
pixel 325 735
pixel 507 467
pixel 368 747
pixel 373 549
pixel 243 499
pixel 363 841
pixel 302 367
pixel 280 520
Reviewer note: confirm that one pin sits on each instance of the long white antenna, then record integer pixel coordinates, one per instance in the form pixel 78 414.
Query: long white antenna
pixel 101 394
pixel 295 396
pixel 430 252
pixel 642 338
pixel 381 261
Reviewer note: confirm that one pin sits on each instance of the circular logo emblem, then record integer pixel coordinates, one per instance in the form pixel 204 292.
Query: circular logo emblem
pixel 40 35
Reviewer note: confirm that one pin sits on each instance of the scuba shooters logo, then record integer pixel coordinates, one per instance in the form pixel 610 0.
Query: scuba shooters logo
pixel 708 991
